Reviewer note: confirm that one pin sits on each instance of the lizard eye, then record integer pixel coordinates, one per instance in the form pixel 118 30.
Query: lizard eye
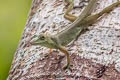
pixel 42 38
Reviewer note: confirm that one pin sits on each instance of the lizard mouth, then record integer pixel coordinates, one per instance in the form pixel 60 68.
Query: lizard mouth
pixel 32 42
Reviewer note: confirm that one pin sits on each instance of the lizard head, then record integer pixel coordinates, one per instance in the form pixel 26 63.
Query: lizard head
pixel 45 40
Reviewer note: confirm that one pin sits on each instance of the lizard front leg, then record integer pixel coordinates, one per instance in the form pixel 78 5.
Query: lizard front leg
pixel 62 49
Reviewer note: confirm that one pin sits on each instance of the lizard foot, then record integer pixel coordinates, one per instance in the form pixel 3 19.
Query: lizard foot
pixel 68 67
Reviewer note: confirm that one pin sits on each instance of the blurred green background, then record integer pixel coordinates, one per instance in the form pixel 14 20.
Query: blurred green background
pixel 13 16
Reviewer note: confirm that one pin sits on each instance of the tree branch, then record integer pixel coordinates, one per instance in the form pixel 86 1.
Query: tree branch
pixel 95 55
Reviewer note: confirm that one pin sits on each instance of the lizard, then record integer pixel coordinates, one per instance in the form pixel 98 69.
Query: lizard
pixel 72 31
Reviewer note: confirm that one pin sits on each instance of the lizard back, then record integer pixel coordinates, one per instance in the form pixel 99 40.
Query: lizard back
pixel 74 29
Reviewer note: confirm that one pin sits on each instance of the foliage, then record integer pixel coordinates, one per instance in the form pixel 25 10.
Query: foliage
pixel 13 16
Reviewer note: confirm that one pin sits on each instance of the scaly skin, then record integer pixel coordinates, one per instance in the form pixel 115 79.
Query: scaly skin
pixel 59 40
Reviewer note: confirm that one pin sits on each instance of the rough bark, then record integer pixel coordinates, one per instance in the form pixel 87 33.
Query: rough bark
pixel 94 56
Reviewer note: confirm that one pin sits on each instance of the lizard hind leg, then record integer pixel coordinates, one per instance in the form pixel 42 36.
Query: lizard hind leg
pixel 93 18
pixel 67 14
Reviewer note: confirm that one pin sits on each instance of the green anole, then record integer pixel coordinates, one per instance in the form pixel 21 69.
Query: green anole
pixel 63 38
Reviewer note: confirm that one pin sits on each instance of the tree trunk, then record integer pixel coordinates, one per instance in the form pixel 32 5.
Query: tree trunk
pixel 94 56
